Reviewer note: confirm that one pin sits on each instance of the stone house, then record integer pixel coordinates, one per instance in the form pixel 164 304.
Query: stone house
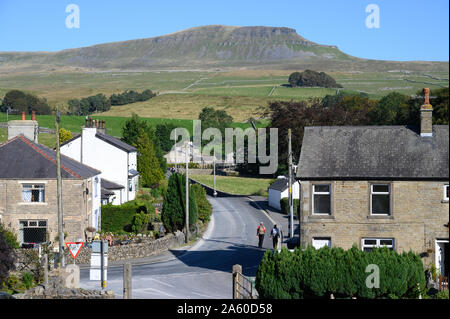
pixel 377 186
pixel 28 192
pixel 116 159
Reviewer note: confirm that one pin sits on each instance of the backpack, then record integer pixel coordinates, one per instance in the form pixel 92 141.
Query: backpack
pixel 261 230
pixel 275 232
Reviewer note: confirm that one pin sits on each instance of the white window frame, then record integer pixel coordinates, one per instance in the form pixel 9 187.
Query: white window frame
pixel 320 193
pixel 377 245
pixel 323 238
pixel 380 193
pixel 96 183
pixel 28 221
pixel 445 192
pixel 34 186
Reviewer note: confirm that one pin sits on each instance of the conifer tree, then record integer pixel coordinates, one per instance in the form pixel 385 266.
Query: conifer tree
pixel 147 163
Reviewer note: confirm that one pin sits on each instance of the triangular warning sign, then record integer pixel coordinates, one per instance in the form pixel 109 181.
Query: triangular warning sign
pixel 74 248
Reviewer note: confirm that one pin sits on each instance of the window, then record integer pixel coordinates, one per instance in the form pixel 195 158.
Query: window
pixel 130 185
pixel 32 231
pixel 321 203
pixel 319 242
pixel 33 193
pixel 380 199
pixel 96 187
pixel 446 192
pixel 368 244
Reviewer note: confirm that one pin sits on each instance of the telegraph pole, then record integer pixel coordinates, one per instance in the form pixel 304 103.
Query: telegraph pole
pixel 215 193
pixel 59 193
pixel 176 159
pixel 291 200
pixel 187 193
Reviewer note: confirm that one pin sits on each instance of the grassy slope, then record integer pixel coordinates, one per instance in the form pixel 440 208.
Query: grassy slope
pixel 236 185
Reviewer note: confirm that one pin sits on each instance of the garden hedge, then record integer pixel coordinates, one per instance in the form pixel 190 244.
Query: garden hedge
pixel 312 273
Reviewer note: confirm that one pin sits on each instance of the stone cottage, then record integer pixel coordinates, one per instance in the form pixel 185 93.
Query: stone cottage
pixel 377 186
pixel 28 192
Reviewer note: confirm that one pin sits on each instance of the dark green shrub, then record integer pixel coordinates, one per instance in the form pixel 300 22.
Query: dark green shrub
pixel 9 236
pixel 173 210
pixel 203 205
pixel 443 294
pixel 284 204
pixel 312 273
pixel 140 222
pixel 28 280
pixel 7 258
pixel 116 218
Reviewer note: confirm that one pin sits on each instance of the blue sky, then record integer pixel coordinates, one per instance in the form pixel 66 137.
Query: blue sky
pixel 408 30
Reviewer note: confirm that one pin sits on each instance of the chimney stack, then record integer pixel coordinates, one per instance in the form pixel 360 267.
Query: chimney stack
pixel 426 116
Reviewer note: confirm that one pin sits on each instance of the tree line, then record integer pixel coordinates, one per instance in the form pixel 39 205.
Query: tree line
pixel 100 103
pixel 17 101
pixel 345 109
pixel 311 78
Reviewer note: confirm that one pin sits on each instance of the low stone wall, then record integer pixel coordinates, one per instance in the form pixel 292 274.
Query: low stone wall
pixel 141 247
pixel 56 290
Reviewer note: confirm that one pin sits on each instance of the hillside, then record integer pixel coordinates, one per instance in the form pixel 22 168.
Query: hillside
pixel 207 48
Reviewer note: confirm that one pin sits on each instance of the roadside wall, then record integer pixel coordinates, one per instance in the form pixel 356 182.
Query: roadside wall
pixel 147 247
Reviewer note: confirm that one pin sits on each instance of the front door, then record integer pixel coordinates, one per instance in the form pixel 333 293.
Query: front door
pixel 442 257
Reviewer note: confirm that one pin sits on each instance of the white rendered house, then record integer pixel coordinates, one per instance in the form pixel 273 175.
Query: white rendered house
pixel 117 161
pixel 280 189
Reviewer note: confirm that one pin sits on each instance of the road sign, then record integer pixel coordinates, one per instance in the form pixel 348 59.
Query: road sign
pixel 95 274
pixel 96 260
pixel 74 248
pixel 97 248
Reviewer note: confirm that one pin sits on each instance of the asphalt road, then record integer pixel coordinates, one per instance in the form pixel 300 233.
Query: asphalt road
pixel 204 270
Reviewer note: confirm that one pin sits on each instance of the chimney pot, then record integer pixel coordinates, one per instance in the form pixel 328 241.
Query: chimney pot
pixel 23 116
pixel 427 95
pixel 426 116
pixel 33 115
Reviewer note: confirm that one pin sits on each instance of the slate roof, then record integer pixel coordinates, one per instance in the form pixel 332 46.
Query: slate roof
pixel 132 173
pixel 116 142
pixel 106 184
pixel 281 184
pixel 21 158
pixel 373 152
pixel 106 193
pixel 108 139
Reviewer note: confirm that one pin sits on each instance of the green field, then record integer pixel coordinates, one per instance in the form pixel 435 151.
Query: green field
pixel 182 95
pixel 236 185
pixel 113 125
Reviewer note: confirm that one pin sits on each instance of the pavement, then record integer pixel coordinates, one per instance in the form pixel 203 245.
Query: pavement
pixel 276 217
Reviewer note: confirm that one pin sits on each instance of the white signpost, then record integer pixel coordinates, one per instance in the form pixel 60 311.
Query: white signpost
pixel 99 262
